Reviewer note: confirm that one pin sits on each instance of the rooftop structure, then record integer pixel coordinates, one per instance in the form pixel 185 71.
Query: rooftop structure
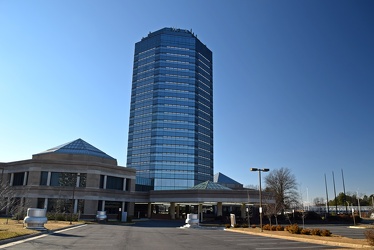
pixel 78 146
pixel 227 181
pixel 209 185
pixel 76 150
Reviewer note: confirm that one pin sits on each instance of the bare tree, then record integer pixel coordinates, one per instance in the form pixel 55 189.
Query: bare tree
pixel 18 208
pixel 8 198
pixel 271 208
pixel 270 211
pixel 319 201
pixel 251 186
pixel 7 195
pixel 282 183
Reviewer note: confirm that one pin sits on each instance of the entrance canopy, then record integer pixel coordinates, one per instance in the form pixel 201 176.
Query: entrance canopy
pixel 209 192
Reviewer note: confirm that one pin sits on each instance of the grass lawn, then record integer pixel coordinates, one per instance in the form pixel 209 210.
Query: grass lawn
pixel 16 228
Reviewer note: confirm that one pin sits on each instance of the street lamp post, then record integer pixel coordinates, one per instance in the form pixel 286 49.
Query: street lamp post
pixel 259 170
pixel 359 208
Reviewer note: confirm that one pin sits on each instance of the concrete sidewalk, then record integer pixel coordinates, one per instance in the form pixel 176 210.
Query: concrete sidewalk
pixel 331 241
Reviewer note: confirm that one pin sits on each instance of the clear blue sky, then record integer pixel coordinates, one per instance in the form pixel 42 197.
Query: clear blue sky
pixel 293 81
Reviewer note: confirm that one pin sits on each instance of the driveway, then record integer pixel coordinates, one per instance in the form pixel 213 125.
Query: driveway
pixel 154 235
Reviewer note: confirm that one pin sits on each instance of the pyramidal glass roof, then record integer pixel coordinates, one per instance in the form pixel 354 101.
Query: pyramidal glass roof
pixel 221 178
pixel 209 185
pixel 78 146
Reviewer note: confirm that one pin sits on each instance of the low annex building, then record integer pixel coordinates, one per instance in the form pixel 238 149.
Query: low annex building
pixel 76 177
pixel 73 171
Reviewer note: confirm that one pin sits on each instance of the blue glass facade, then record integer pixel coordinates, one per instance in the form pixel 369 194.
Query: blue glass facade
pixel 170 141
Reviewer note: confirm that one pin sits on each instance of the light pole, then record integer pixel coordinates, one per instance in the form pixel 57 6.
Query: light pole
pixel 259 170
pixel 359 208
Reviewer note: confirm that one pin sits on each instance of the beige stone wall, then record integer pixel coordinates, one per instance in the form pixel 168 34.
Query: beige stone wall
pixel 74 157
pixel 93 180
pixel 90 207
pixel 133 184
pixel 34 178
pixel 72 164
pixel 31 202
pixel 130 208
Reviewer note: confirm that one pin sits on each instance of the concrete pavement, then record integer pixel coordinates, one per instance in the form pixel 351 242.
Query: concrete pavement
pixel 158 237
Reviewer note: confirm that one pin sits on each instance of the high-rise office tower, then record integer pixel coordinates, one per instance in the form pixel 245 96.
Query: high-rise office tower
pixel 170 141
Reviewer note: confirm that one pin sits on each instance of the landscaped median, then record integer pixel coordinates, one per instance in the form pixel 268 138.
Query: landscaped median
pixel 15 228
pixel 332 240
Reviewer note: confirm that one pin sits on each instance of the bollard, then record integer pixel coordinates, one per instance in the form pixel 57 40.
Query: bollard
pixel 192 220
pixel 35 219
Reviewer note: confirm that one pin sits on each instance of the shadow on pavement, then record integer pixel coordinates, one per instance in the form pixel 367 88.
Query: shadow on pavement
pixel 158 223
pixel 66 235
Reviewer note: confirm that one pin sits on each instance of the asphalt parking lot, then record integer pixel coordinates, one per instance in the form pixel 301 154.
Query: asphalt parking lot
pixel 155 234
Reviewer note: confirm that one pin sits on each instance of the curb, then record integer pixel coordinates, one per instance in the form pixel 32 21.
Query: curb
pixel 323 242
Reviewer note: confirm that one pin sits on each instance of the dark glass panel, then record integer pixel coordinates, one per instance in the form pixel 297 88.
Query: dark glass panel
pixel 43 178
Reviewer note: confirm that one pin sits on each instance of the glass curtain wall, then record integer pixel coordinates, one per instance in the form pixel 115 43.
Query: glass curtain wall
pixel 171 116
